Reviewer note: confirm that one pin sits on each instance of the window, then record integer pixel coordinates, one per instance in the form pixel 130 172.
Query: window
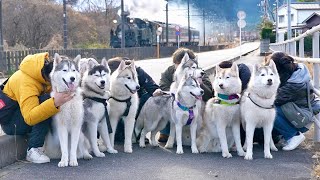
pixel 281 19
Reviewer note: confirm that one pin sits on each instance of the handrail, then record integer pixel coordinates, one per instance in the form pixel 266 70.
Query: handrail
pixel 305 34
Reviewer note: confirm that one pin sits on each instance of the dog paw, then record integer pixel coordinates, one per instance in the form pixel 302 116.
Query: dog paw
pixel 99 154
pixel 112 151
pixel 142 144
pixel 241 153
pixel 102 148
pixel 226 155
pixel 179 151
pixel 155 144
pixel 128 150
pixel 268 156
pixel 168 146
pixel 248 157
pixel 194 150
pixel 63 163
pixel 87 156
pixel 274 148
pixel 73 162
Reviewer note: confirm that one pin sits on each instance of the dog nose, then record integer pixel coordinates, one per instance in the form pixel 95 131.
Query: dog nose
pixel 220 85
pixel 202 73
pixel 102 82
pixel 269 80
pixel 72 79
pixel 201 92
pixel 137 87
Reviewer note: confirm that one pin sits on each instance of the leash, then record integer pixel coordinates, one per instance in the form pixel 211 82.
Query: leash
pixel 271 107
pixel 127 101
pixel 106 114
pixel 189 109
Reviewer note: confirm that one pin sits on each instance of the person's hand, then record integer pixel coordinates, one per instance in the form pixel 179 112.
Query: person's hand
pixel 60 98
pixel 158 92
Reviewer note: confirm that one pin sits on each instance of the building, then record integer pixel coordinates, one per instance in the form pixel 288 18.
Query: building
pixel 311 21
pixel 299 13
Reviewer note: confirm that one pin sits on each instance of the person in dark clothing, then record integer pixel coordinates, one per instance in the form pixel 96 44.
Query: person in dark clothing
pixel 147 88
pixel 167 79
pixel 294 78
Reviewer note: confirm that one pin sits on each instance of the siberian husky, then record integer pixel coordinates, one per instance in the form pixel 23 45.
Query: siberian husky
pixel 257 108
pixel 124 101
pixel 186 67
pixel 96 85
pixel 67 123
pixel 222 114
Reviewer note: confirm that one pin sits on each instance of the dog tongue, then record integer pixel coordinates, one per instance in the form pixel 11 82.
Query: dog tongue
pixel 71 86
pixel 199 97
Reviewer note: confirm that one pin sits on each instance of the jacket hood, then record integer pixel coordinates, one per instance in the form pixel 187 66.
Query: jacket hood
pixel 301 75
pixel 33 64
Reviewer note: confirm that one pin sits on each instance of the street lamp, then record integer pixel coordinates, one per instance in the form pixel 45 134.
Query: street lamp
pixel 65 30
pixel 276 19
pixel 122 26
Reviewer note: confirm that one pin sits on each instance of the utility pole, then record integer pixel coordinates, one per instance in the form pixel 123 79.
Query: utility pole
pixel 167 25
pixel 123 32
pixel 204 28
pixel 65 30
pixel 289 24
pixel 189 32
pixel 277 28
pixel 1 35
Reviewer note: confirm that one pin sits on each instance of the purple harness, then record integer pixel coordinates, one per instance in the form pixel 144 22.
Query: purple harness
pixel 190 110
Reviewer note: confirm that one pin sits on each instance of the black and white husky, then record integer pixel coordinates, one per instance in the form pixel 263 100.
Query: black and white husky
pixel 66 124
pixel 96 85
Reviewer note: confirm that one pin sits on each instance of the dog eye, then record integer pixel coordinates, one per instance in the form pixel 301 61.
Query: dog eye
pixel 65 70
pixel 74 70
pixel 271 74
pixel 129 77
pixel 193 67
pixel 262 75
pixel 96 75
pixel 227 77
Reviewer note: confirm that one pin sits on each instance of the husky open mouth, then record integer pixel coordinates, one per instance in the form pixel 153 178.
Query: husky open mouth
pixel 101 86
pixel 71 86
pixel 197 97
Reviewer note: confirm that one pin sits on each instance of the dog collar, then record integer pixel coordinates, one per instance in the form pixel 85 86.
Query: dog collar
pixel 271 107
pixel 228 97
pixel 189 109
pixel 127 101
pixel 219 101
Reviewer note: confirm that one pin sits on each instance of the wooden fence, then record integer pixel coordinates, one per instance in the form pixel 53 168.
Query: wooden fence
pixel 10 60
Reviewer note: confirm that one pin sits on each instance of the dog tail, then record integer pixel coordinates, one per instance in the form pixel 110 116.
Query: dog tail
pixel 139 124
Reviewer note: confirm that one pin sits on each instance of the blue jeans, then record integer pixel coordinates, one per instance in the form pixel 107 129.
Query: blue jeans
pixel 283 126
pixel 36 134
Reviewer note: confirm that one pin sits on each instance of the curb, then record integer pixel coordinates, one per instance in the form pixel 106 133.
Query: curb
pixel 15 149
pixel 12 148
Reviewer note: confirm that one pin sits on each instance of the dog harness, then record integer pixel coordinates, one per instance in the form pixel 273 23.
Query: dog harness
pixel 127 101
pixel 223 99
pixel 271 107
pixel 106 114
pixel 189 109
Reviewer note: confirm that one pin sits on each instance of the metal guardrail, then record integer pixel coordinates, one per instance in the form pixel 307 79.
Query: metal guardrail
pixel 289 46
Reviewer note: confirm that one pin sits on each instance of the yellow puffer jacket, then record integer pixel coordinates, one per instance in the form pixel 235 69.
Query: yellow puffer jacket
pixel 25 85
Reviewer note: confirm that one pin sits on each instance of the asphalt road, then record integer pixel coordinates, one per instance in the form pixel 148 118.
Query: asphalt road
pixel 160 163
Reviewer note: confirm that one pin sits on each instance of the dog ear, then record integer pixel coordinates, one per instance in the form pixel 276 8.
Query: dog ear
pixel 196 59
pixel 185 58
pixel 273 66
pixel 57 59
pixel 234 69
pixel 83 65
pixel 77 59
pixel 218 68
pixel 104 62
pixel 122 65
pixel 133 66
pixel 256 68
pixel 92 62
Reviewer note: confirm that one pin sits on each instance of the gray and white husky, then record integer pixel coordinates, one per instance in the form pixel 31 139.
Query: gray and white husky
pixel 257 108
pixel 222 113
pixel 66 124
pixel 124 101
pixel 188 67
pixel 96 85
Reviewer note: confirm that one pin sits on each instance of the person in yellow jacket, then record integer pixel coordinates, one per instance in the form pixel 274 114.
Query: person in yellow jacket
pixel 26 107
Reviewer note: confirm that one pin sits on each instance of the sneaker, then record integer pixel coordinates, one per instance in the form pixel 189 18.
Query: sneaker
pixel 294 142
pixel 163 138
pixel 36 155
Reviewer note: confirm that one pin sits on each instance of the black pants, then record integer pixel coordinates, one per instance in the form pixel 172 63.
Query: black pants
pixel 36 134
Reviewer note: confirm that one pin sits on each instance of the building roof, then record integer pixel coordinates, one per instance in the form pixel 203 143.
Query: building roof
pixel 313 14
pixel 303 6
